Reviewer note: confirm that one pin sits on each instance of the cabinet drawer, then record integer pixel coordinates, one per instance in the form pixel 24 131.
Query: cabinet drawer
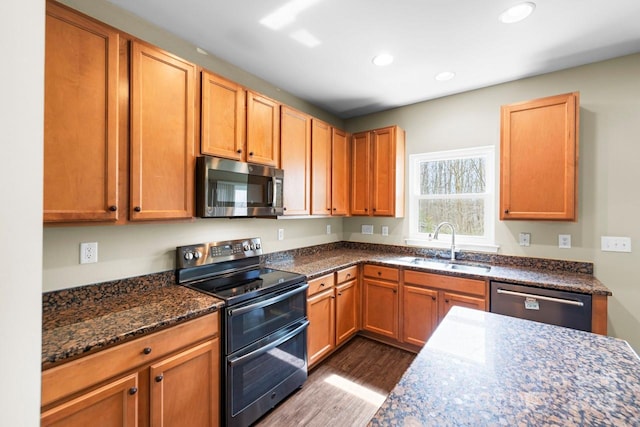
pixel 385 273
pixel 320 284
pixel 447 283
pixel 347 274
pixel 91 370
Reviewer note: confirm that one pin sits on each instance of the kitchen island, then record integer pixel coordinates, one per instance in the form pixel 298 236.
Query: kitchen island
pixel 485 369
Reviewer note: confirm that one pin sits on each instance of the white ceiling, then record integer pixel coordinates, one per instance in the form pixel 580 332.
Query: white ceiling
pixel 424 36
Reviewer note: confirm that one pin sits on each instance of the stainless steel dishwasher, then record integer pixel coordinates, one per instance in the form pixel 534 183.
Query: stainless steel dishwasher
pixel 562 308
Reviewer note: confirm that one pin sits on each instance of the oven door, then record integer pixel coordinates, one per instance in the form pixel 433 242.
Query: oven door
pixel 263 374
pixel 249 322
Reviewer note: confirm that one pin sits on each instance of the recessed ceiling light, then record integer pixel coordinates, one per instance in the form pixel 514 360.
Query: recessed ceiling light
pixel 445 75
pixel 517 13
pixel 382 59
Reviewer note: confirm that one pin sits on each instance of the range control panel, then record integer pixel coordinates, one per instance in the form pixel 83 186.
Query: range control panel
pixel 214 252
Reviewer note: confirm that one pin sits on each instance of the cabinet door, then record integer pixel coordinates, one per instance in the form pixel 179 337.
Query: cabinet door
pixel 320 168
pixel 380 311
pixel 263 130
pixel 346 311
pixel 295 140
pixel 360 173
pixel 223 117
pixel 538 159
pixel 386 179
pixel 114 404
pixel 184 389
pixel 340 176
pixel 419 314
pixel 449 299
pixel 162 134
pixel 322 329
pixel 80 119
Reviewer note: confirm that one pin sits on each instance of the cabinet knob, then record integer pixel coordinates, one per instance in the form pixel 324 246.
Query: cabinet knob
pixel 321 284
pixel 339 294
pixel 284 208
pixel 113 208
pixel 239 151
pixel 133 390
pixel 251 153
pixel 374 209
pixel 147 350
pixel 366 210
pixel 433 298
pixel 348 275
pixel 137 209
pixel 379 273
pixel 506 211
pixel 329 209
pixel 447 301
pixel 395 291
pixel 335 209
pixel 159 378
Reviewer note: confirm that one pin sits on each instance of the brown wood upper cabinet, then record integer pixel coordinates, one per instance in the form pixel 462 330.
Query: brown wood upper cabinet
pixel 539 159
pixel 223 120
pixel 162 134
pixel 330 170
pixel 80 119
pixel 377 184
pixel 295 140
pixel 263 130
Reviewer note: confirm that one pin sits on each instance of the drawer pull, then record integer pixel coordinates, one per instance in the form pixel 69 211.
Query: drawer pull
pixel 159 378
pixel 433 298
pixel 348 275
pixel 133 390
pixel 147 350
pixel 322 284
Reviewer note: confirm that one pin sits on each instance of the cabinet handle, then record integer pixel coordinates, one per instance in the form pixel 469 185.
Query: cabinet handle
pixel 137 209
pixel 506 211
pixel 395 291
pixel 329 209
pixel 239 151
pixel 374 209
pixel 447 301
pixel 379 273
pixel 366 210
pixel 113 208
pixel 147 350
pixel 159 378
pixel 433 298
pixel 333 296
pixel 335 209
pixel 251 153
pixel 322 285
pixel 348 275
pixel 133 390
pixel 339 294
pixel 284 208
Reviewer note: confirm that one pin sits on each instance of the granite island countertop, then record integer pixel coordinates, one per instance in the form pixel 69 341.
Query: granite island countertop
pixel 549 274
pixel 485 369
pixel 79 321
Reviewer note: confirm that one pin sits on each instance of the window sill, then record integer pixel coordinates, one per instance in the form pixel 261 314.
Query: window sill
pixel 474 247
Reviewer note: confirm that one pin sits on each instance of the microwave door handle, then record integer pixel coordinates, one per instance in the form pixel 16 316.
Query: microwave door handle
pixel 274 190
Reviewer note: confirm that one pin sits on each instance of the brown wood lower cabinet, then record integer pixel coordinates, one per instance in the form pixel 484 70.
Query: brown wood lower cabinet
pixel 333 312
pixel 167 378
pixel 380 300
pixel 427 298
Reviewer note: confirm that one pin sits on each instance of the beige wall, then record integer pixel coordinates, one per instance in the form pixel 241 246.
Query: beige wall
pixel 609 201
pixel 21 121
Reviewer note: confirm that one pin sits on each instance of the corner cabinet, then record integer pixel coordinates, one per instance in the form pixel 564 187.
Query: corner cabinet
pixel 171 377
pixel 80 119
pixel 377 184
pixel 162 134
pixel 539 159
pixel 295 141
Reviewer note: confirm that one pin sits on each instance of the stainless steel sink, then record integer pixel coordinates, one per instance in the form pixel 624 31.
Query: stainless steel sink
pixel 444 265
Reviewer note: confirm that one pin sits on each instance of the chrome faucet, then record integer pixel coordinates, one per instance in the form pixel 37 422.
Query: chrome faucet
pixel 453 237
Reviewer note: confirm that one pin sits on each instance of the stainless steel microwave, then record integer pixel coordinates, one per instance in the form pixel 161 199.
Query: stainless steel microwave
pixel 227 188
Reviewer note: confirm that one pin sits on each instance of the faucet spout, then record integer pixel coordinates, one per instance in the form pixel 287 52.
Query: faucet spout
pixel 453 237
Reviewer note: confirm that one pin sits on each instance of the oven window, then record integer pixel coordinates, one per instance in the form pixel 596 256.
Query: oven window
pixel 252 377
pixel 249 322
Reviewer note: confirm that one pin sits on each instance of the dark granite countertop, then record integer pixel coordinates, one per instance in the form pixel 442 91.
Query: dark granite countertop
pixel 485 369
pixel 81 320
pixel 532 273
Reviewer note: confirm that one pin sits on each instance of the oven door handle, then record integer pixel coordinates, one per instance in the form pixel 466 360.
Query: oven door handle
pixel 240 359
pixel 241 310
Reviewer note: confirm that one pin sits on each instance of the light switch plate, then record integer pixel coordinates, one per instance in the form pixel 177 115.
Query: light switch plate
pixel 367 229
pixel 525 239
pixel 615 244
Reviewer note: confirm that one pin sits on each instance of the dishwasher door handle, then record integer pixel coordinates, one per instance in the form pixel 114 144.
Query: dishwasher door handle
pixel 541 297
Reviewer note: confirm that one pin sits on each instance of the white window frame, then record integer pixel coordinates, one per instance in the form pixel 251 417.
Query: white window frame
pixel 484 243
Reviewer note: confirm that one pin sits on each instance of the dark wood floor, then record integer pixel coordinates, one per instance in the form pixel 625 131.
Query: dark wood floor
pixel 346 389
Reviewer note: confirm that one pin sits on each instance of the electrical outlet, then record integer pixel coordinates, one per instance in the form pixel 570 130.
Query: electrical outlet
pixel 88 253
pixel 615 244
pixel 367 229
pixel 525 239
pixel 328 228
pixel 280 233
pixel 385 230
pixel 564 241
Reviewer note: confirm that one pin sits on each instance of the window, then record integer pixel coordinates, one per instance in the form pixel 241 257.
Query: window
pixel 455 186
